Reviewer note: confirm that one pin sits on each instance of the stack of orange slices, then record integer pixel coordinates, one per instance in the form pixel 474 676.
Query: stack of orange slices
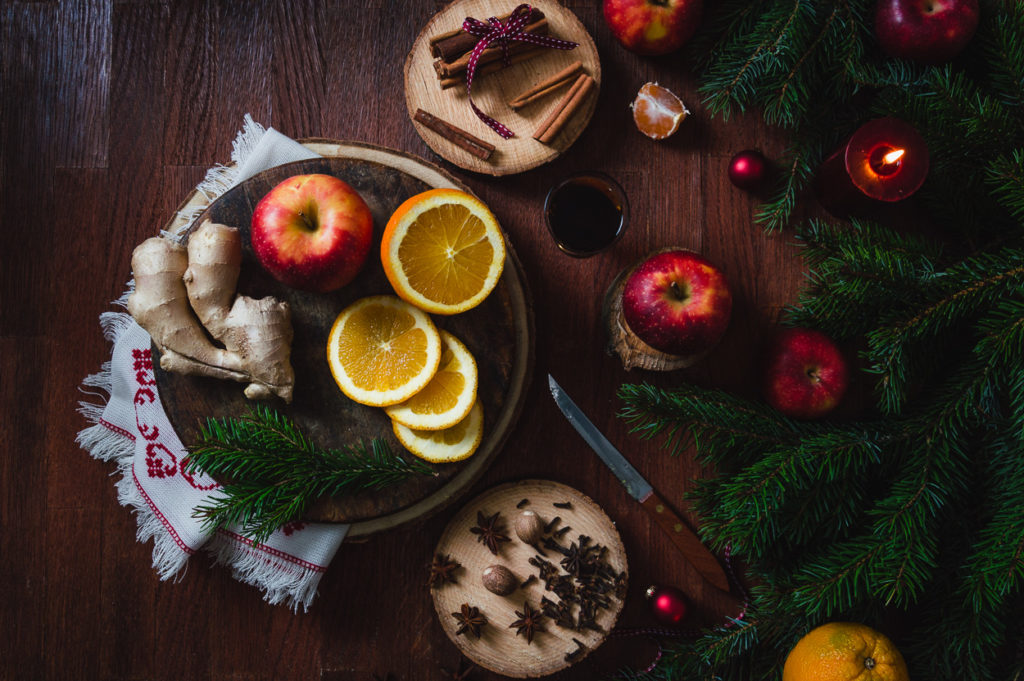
pixel 443 253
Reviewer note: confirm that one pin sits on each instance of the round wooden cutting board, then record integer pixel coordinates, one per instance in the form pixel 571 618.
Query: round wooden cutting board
pixel 499 648
pixel 492 92
pixel 499 333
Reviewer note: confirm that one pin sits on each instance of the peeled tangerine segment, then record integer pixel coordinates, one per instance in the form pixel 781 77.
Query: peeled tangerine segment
pixel 657 111
pixel 382 350
pixel 443 251
pixel 448 397
pixel 445 446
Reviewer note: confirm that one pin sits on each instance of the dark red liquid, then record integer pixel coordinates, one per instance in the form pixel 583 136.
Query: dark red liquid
pixel 585 215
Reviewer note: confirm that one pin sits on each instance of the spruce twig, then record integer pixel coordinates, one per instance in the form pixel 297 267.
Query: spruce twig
pixel 919 505
pixel 273 472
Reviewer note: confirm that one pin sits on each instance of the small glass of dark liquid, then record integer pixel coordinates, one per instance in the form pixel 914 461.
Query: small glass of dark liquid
pixel 586 213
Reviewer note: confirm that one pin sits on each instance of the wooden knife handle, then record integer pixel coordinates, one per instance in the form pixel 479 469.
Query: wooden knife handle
pixel 688 542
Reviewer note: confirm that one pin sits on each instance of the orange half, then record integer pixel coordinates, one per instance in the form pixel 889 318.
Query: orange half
pixel 442 251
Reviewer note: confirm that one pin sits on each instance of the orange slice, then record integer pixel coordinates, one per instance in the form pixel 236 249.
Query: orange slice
pixel 448 445
pixel 382 350
pixel 443 251
pixel 657 111
pixel 448 397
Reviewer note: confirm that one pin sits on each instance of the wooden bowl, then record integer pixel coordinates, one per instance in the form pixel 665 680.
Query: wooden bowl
pixel 499 333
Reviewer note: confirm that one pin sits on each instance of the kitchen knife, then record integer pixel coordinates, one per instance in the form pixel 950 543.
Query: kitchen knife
pixel 693 549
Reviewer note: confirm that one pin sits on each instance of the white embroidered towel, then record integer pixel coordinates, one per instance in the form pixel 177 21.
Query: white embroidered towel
pixel 133 430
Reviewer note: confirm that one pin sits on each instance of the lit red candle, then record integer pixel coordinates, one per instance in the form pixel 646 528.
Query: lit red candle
pixel 885 160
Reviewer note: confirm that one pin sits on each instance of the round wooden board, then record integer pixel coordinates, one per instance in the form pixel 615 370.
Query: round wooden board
pixel 499 648
pixel 499 333
pixel 492 92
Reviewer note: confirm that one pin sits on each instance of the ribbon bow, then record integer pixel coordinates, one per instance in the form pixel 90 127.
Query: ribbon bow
pixel 503 33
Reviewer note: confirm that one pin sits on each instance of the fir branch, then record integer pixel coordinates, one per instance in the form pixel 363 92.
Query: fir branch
pixel 799 164
pixel 788 101
pixel 976 283
pixel 920 506
pixel 1006 177
pixel 713 418
pixel 1005 54
pixel 274 473
pixel 768 486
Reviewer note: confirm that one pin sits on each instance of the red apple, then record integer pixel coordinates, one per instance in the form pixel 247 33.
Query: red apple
pixel 652 27
pixel 925 31
pixel 805 376
pixel 312 232
pixel 677 302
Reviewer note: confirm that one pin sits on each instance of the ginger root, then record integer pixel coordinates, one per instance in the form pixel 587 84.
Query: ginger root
pixel 178 292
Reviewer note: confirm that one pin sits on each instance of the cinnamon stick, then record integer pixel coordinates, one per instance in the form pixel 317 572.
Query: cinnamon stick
pixel 447 69
pixel 450 45
pixel 547 86
pixel 565 109
pixel 455 135
pixel 493 67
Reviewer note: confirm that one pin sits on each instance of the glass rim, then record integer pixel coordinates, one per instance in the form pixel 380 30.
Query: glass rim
pixel 616 189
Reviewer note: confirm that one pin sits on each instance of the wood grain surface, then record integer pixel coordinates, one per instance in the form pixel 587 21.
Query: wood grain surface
pixel 499 333
pixel 111 112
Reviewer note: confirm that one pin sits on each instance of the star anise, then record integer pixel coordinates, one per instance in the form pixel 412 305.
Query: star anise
pixel 442 570
pixel 470 619
pixel 528 622
pixel 573 559
pixel 489 531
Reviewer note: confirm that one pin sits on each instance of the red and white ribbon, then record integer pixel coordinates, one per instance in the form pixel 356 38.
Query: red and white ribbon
pixel 503 33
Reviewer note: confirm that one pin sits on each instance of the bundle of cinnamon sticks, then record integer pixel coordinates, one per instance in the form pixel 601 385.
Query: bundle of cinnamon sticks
pixel 453 48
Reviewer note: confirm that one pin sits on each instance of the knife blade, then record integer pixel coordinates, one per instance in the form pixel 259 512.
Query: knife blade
pixel 682 536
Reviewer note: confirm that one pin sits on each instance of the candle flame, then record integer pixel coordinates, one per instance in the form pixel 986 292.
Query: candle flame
pixel 893 156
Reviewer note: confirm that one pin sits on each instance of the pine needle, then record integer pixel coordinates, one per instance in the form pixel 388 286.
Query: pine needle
pixel 273 472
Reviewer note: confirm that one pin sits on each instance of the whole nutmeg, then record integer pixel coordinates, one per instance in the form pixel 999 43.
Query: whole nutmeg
pixel 498 579
pixel 529 527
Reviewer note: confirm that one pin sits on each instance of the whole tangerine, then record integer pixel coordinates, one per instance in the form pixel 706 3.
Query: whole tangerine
pixel 844 651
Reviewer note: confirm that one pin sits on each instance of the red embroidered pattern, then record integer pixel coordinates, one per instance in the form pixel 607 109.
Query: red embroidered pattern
pixel 292 527
pixel 274 552
pixel 156 465
pixel 160 461
pixel 143 363
pixel 191 479
pixel 117 429
pixel 163 519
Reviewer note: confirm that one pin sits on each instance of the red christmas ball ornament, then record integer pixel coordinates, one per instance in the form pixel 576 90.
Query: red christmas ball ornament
pixel 748 170
pixel 667 603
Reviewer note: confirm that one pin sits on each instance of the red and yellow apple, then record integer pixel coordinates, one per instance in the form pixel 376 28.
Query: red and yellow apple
pixel 805 374
pixel 925 31
pixel 677 302
pixel 652 27
pixel 312 232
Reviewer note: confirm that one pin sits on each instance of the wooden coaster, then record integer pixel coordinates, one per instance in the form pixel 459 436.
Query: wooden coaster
pixel 633 352
pixel 499 649
pixel 492 92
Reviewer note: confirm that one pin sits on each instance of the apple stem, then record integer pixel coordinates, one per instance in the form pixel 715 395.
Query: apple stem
pixel 307 221
pixel 813 375
pixel 677 292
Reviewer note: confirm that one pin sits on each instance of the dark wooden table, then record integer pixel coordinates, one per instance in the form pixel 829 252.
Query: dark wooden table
pixel 111 112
